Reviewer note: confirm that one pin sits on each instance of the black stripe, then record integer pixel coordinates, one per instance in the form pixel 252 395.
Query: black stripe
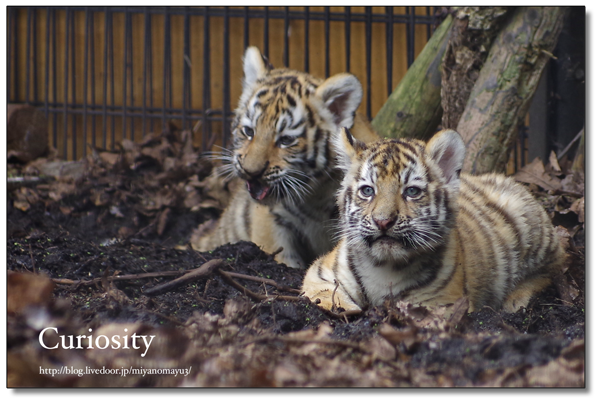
pixel 291 100
pixel 488 293
pixel 247 226
pixel 352 267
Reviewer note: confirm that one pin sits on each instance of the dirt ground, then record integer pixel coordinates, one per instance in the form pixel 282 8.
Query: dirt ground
pixel 88 244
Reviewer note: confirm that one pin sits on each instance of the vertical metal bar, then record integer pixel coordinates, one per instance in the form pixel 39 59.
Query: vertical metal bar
pixel 66 84
pixel 35 58
pixel 93 75
pixel 73 89
pixel 226 79
pixel 85 77
pixel 47 66
pixel 348 35
pixel 112 82
pixel 266 33
pixel 389 38
pixel 306 39
pixel 206 126
pixel 105 76
pixel 15 52
pixel 410 36
pixel 124 107
pixel 145 67
pixel 327 50
pixel 286 38
pixel 28 54
pixel 166 66
pixel 131 61
pixel 186 68
pixel 246 28
pixel 9 48
pixel 54 81
pixel 428 13
pixel 368 26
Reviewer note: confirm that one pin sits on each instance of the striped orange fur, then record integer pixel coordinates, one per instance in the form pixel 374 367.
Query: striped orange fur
pixel 414 228
pixel 282 153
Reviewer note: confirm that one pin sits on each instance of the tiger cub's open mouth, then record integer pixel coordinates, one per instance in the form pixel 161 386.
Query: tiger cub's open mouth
pixel 257 189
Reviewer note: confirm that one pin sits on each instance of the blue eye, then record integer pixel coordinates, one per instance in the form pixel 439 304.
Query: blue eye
pixel 248 132
pixel 367 191
pixel 413 191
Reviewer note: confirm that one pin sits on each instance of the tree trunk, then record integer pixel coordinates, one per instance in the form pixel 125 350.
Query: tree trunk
pixel 413 109
pixel 505 86
pixel 471 36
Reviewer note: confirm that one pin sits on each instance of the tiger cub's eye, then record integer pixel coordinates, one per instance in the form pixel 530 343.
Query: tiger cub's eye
pixel 286 140
pixel 367 191
pixel 248 132
pixel 413 191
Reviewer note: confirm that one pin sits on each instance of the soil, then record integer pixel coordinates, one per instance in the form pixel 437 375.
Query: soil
pixel 233 331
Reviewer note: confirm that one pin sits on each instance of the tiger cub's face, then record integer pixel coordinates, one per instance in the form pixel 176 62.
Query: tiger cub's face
pixel 282 128
pixel 397 197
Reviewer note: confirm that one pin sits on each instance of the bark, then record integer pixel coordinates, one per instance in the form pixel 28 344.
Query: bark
pixel 414 107
pixel 505 86
pixel 471 36
pixel 27 132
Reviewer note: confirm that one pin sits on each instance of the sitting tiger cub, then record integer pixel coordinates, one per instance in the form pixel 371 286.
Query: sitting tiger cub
pixel 281 150
pixel 412 227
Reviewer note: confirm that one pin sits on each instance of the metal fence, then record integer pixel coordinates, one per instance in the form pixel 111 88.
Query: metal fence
pixel 102 74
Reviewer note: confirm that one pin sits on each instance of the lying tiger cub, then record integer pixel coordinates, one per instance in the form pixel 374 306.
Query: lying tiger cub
pixel 282 153
pixel 412 227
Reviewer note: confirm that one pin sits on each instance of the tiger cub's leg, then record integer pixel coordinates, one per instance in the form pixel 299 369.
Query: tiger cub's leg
pixel 522 294
pixel 327 281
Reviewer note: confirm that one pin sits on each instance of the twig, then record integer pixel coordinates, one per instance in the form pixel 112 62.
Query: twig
pixel 257 297
pixel 568 147
pixel 205 270
pixel 277 251
pixel 32 259
pixel 264 281
pixel 66 281
pixel 549 54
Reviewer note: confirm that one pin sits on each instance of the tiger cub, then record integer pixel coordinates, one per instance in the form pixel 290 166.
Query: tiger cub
pixel 282 153
pixel 412 227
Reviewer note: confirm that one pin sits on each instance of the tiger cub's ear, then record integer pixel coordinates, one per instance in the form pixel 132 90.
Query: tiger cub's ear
pixel 347 148
pixel 447 149
pixel 256 66
pixel 341 94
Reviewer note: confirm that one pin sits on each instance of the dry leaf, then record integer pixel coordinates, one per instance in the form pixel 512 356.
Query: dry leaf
pixel 21 205
pixel 578 207
pixel 109 158
pixel 554 162
pixel 535 173
pixel 408 335
pixel 163 218
pixel 24 289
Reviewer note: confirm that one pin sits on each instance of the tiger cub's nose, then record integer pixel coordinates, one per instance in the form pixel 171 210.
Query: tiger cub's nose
pixel 385 223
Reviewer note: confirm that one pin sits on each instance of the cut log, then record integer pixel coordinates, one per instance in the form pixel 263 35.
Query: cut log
pixel 27 133
pixel 505 86
pixel 413 109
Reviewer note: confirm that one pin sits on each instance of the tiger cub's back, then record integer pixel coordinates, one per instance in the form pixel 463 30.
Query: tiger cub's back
pixel 508 245
pixel 413 227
